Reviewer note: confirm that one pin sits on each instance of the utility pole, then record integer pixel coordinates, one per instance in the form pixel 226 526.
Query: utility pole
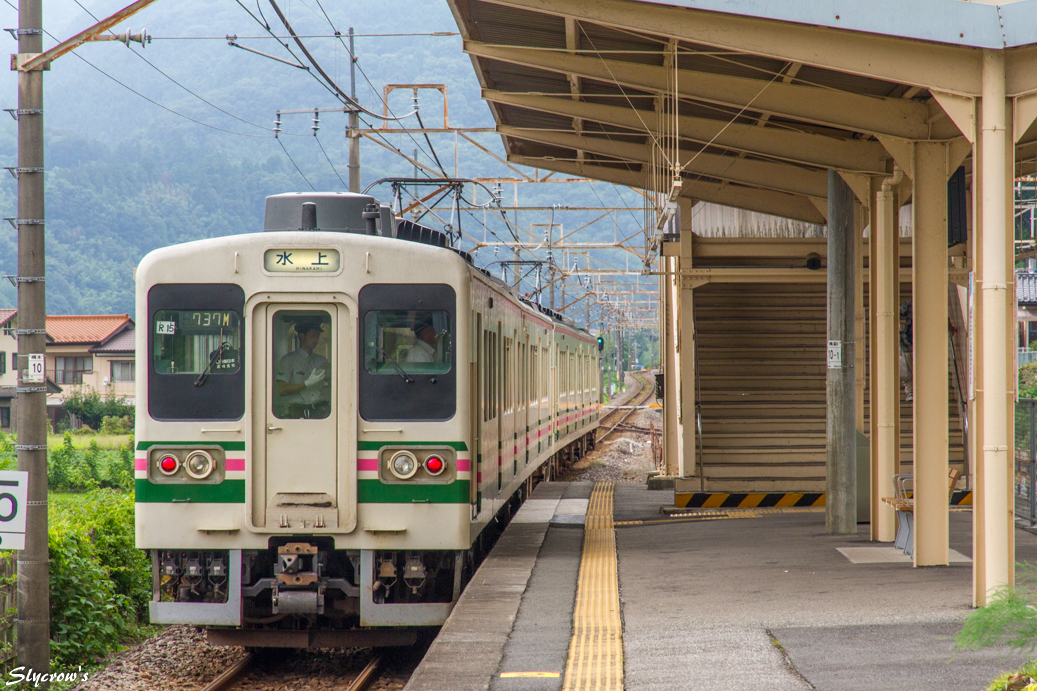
pixel 550 261
pixel 32 626
pixel 841 485
pixel 33 623
pixel 354 124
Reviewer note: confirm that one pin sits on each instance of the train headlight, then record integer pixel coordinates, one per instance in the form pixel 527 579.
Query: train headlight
pixel 168 464
pixel 434 465
pixel 403 465
pixel 199 465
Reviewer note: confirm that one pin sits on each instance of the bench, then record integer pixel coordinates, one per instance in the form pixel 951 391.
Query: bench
pixel 903 501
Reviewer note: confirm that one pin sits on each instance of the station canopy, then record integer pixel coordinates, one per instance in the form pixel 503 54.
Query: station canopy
pixel 745 103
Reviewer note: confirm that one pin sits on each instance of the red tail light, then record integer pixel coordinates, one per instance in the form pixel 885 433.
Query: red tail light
pixel 169 464
pixel 434 465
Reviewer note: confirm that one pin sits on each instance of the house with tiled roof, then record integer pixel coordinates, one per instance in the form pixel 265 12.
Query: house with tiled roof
pixel 94 351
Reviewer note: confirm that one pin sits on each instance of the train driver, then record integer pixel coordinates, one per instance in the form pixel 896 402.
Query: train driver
pixel 303 376
pixel 425 343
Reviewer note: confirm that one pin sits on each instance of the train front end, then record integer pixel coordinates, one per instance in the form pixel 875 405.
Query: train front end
pixel 302 464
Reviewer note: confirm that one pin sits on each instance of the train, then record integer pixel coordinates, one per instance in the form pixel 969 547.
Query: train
pixel 334 416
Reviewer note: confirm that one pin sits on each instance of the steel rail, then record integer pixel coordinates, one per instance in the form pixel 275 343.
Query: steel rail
pixel 367 675
pixel 646 390
pixel 231 675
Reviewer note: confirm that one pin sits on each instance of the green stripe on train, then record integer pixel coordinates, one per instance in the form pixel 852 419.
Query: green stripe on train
pixel 378 492
pixel 226 492
pixel 375 445
pixel 227 445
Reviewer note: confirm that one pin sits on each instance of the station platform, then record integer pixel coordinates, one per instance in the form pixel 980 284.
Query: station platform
pixel 591 586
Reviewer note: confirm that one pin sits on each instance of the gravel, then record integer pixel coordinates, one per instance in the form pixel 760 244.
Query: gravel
pixel 625 456
pixel 178 659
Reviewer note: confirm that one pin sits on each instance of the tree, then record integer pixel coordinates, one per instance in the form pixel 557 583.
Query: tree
pixel 91 407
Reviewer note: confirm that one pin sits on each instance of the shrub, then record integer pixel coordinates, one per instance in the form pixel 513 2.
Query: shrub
pixel 113 425
pixel 1028 381
pixel 70 469
pixel 100 584
pixel 91 407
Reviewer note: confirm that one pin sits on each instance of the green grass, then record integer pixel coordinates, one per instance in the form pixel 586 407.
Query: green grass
pixel 112 442
pixel 1001 682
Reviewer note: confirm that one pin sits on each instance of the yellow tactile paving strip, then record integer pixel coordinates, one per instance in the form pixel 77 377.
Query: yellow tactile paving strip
pixel 596 650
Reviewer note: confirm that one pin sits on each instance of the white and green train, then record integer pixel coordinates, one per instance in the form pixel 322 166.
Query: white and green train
pixel 332 414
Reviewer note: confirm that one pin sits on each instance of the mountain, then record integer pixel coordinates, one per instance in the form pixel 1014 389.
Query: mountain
pixel 177 146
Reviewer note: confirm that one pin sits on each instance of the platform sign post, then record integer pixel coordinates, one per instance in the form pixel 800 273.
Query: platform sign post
pixel 13 488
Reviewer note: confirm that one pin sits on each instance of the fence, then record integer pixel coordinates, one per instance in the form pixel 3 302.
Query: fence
pixel 1026 459
pixel 1027 357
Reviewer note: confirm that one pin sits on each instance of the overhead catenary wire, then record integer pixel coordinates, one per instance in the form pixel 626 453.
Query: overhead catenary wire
pixel 148 99
pixel 160 71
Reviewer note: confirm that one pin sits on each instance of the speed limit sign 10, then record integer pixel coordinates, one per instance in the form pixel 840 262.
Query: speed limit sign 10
pixel 13 488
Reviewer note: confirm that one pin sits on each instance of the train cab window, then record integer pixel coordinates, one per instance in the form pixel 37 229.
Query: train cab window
pixel 407 352
pixel 197 341
pixel 414 341
pixel 302 354
pixel 195 368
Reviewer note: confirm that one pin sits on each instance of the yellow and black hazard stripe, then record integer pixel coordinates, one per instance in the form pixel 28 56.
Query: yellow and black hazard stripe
pixel 747 500
pixel 763 500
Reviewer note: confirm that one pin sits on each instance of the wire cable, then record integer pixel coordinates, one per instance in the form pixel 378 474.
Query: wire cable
pixel 150 100
pixel 200 98
pixel 296 165
pixel 329 162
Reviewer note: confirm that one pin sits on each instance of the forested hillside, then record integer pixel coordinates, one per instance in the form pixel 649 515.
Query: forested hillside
pixel 125 175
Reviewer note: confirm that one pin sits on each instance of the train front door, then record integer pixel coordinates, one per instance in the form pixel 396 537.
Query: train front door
pixel 303 478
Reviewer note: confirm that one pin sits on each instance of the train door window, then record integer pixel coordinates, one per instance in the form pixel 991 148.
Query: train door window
pixel 484 362
pixel 195 370
pixel 301 357
pixel 407 353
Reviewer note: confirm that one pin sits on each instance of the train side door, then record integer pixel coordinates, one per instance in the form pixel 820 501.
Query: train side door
pixel 306 355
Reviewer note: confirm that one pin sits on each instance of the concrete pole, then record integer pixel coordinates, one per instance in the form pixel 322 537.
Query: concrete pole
pixel 885 374
pixel 689 358
pixel 33 622
pixel 860 213
pixel 841 485
pixel 929 319
pixel 668 356
pixel 354 124
pixel 993 513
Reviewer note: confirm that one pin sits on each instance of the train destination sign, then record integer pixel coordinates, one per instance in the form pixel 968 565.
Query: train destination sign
pixel 296 260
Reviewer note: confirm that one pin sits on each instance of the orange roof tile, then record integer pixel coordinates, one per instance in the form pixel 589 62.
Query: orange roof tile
pixel 6 314
pixel 84 328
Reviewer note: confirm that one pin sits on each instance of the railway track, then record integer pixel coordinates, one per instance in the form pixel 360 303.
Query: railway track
pixel 639 397
pixel 242 675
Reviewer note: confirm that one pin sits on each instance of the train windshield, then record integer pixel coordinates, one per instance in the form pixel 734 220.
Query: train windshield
pixel 196 341
pixel 404 342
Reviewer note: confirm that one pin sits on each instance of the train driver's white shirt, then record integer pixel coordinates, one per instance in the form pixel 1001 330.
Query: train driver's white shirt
pixel 295 368
pixel 421 352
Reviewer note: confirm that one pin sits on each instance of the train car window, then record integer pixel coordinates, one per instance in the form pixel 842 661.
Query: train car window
pixel 407 354
pixel 509 358
pixel 302 352
pixel 195 369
